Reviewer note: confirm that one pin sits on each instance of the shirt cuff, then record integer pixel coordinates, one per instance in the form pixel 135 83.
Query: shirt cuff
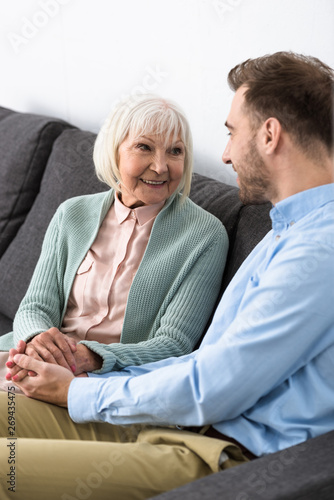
pixel 81 399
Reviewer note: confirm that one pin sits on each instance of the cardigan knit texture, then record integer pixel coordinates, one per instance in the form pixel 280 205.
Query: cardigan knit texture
pixel 171 297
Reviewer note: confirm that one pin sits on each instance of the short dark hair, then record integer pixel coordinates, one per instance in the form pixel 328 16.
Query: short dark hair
pixel 295 89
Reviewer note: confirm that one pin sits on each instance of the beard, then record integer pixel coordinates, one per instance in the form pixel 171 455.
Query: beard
pixel 253 177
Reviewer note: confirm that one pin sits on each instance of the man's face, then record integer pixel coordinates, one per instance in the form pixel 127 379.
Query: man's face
pixel 243 153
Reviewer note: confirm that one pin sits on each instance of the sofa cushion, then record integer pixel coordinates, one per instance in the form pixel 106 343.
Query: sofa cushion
pixel 302 472
pixel 25 145
pixel 253 224
pixel 69 172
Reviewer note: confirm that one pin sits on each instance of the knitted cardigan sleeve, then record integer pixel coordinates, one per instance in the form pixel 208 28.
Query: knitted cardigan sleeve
pixel 187 304
pixel 41 307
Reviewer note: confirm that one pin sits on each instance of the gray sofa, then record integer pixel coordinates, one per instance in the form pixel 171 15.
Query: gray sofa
pixel 43 162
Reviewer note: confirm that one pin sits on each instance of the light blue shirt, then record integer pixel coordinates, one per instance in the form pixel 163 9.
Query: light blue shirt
pixel 264 373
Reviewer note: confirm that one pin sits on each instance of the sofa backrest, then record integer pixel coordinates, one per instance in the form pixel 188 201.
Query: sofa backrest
pixel 69 172
pixel 245 225
pixel 25 145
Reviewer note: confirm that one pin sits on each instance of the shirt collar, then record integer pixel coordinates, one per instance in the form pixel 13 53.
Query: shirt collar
pixel 142 214
pixel 295 207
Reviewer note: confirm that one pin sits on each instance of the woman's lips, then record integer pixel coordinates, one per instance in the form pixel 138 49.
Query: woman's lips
pixel 153 183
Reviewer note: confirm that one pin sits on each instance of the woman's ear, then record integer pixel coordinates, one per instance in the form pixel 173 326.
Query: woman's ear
pixel 271 132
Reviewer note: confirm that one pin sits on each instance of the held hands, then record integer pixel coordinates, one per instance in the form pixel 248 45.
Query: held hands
pixel 55 348
pixel 50 382
pixel 50 346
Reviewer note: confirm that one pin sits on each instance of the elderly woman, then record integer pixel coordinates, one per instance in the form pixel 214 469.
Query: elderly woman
pixel 131 275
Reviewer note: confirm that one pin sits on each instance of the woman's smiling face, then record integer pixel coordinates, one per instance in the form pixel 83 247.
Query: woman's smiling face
pixel 151 169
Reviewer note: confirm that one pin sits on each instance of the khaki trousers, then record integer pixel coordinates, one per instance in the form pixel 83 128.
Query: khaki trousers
pixel 45 455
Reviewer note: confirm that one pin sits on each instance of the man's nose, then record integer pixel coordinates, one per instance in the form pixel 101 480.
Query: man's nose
pixel 226 155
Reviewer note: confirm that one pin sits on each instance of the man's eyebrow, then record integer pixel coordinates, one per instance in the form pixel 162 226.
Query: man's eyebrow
pixel 228 125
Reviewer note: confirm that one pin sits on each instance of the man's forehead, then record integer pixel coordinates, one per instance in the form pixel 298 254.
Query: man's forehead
pixel 236 110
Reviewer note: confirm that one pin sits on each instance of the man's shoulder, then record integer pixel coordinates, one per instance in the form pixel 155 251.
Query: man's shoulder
pixel 318 226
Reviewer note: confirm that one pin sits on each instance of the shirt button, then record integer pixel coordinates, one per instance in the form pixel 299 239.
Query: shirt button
pixel 292 223
pixel 277 237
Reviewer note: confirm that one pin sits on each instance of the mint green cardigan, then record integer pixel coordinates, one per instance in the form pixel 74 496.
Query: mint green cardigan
pixel 170 299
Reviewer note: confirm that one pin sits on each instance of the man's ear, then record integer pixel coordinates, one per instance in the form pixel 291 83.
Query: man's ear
pixel 271 132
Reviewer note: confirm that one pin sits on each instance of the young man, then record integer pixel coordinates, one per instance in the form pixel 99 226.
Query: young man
pixel 263 374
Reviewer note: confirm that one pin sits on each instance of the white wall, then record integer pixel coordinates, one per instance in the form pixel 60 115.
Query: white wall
pixel 75 58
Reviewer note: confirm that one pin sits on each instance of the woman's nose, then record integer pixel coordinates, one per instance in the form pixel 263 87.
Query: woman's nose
pixel 159 164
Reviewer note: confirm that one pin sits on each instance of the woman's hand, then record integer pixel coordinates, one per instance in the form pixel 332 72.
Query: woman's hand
pixel 86 360
pixel 13 369
pixel 53 347
pixel 50 346
pixel 50 383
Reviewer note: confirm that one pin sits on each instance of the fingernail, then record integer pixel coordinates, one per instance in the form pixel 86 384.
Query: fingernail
pixel 9 364
pixel 8 376
pixel 14 378
pixel 73 368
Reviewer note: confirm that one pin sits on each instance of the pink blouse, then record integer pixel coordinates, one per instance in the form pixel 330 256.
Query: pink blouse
pixel 97 302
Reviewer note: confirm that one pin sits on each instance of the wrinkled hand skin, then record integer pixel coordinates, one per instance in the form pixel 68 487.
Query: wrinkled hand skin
pixel 86 360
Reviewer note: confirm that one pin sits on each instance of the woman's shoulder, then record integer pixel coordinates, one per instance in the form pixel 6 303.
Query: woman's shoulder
pixel 85 205
pixel 83 209
pixel 86 200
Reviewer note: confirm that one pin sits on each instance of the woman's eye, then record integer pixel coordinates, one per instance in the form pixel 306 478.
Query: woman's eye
pixel 143 147
pixel 176 151
pixel 229 134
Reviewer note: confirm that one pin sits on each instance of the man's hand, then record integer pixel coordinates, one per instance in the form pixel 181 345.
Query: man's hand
pixel 51 346
pixel 50 384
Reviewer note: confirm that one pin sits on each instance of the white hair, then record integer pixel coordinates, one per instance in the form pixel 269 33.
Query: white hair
pixel 135 116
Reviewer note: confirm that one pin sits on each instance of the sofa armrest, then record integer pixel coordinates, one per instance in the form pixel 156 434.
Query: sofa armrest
pixel 302 472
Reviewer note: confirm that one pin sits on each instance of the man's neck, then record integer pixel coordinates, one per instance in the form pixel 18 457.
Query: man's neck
pixel 296 173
